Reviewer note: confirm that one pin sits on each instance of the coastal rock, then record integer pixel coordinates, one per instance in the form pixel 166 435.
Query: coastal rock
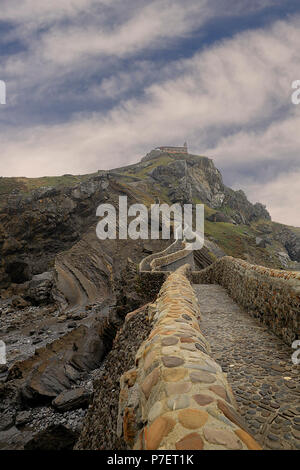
pixel 72 399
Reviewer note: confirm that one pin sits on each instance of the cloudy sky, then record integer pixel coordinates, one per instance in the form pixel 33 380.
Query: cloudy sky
pixel 95 84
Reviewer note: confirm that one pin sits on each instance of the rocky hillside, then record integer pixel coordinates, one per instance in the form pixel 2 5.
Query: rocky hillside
pixel 64 293
pixel 240 228
pixel 38 224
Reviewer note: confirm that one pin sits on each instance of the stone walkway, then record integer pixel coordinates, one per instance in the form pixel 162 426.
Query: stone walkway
pixel 177 397
pixel 264 380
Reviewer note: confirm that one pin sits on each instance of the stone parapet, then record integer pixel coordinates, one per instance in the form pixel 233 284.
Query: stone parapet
pixel 149 283
pixel 177 397
pixel 271 295
pixel 173 248
pixel 166 262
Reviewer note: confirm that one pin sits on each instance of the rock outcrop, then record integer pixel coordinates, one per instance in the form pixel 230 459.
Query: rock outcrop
pixel 55 368
pixel 72 399
pixel 100 427
pixel 291 242
pixel 198 178
pixel 65 293
pixel 35 227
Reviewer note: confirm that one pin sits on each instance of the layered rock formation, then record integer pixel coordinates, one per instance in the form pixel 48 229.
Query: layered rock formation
pixel 199 178
pixel 47 231
pixel 65 293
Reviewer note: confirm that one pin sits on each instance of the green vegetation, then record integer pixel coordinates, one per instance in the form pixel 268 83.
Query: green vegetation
pixel 28 184
pixel 227 211
pixel 235 240
pixel 231 238
pixel 239 241
pixel 296 230
pixel 25 185
pixel 138 172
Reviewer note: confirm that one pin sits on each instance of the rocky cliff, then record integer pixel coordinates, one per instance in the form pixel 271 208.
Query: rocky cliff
pixel 48 229
pixel 60 284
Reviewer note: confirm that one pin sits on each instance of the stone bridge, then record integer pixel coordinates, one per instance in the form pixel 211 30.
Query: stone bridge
pixel 207 364
pixel 230 383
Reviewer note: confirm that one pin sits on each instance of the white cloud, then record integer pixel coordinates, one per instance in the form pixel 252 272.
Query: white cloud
pixel 283 192
pixel 45 12
pixel 150 25
pixel 67 33
pixel 279 141
pixel 231 101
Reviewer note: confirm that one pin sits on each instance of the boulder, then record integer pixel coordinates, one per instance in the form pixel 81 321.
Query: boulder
pixel 23 417
pixel 58 366
pixel 72 399
pixel 284 259
pixel 291 242
pixel 260 242
pixel 39 289
pixel 220 217
pixel 46 381
pixel 260 212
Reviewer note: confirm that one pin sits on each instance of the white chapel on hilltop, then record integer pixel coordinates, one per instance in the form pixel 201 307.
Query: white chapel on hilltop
pixel 169 149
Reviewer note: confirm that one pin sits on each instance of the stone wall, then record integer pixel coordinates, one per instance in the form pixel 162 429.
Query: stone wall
pixel 175 246
pixel 168 260
pixel 154 269
pixel 271 295
pixel 172 265
pixel 172 261
pixel 149 283
pixel 176 396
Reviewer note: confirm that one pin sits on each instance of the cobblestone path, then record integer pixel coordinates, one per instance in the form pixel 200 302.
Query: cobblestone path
pixel 264 380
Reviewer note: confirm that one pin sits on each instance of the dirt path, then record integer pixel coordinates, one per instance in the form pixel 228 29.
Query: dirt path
pixel 264 380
